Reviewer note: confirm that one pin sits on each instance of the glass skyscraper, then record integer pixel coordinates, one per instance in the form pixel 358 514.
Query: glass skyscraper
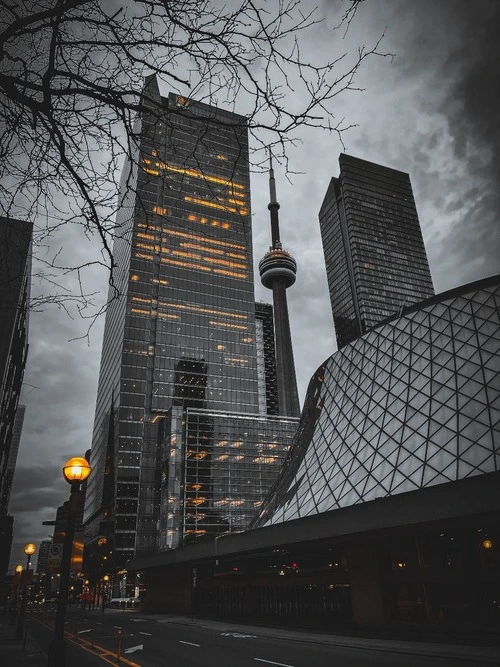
pixel 374 252
pixel 182 331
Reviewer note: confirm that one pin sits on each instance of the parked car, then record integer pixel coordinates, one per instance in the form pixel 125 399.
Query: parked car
pixel 123 603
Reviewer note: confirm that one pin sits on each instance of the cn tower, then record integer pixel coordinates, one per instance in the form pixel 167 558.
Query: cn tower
pixel 277 272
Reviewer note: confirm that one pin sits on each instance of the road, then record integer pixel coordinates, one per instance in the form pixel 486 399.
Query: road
pixel 148 642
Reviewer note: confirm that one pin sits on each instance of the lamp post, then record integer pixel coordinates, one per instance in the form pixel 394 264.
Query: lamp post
pixel 105 580
pixel 75 472
pixel 29 550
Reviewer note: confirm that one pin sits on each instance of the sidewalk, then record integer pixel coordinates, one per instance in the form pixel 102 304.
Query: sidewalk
pixel 461 653
pixel 12 653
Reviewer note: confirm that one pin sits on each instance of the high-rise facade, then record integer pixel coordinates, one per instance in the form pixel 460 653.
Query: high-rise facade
pixel 182 332
pixel 374 252
pixel 15 270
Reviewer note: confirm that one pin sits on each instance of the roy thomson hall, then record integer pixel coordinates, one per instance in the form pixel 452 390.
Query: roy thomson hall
pixel 387 510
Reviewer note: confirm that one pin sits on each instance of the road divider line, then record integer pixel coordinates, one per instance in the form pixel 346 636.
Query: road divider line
pixel 148 634
pixel 271 662
pixel 190 643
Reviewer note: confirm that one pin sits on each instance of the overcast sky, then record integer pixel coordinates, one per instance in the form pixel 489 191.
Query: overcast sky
pixel 432 110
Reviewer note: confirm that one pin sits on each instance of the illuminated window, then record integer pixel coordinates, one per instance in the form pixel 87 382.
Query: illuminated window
pixel 230 273
pixel 196 173
pixel 226 325
pixel 153 172
pixel 134 277
pixel 210 204
pixel 141 235
pixel 192 255
pixel 187 265
pixel 248 339
pixel 221 157
pixel 141 255
pixel 144 246
pixel 264 459
pixel 159 210
pixel 214 251
pixel 139 298
pixel 222 457
pixel 137 311
pixel 159 281
pixel 224 262
pixel 221 347
pixel 203 239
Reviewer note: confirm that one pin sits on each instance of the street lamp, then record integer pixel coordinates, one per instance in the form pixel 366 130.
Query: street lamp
pixel 29 550
pixel 76 471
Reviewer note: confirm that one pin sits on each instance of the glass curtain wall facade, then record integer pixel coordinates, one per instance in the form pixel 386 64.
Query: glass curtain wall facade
pixel 218 468
pixel 266 359
pixel 374 252
pixel 413 403
pixel 183 325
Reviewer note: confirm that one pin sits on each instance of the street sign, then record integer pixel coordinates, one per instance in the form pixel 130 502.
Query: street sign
pixel 55 556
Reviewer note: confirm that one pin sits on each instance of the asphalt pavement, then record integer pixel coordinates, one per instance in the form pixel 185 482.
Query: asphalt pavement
pixel 145 640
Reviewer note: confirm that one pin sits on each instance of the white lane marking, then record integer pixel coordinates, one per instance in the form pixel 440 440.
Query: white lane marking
pixel 133 649
pixel 118 627
pixel 236 634
pixel 270 662
pixel 98 623
pixel 80 632
pixel 146 633
pixel 190 643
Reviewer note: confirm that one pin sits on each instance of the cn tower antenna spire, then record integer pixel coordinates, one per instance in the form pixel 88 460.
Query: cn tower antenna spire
pixel 273 207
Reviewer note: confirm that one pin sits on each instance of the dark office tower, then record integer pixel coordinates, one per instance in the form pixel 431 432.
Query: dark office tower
pixel 186 305
pixel 277 272
pixel 43 554
pixel 375 257
pixel 266 359
pixel 15 266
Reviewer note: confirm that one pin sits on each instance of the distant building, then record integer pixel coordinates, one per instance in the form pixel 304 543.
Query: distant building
pixel 15 267
pixel 375 257
pixel 43 554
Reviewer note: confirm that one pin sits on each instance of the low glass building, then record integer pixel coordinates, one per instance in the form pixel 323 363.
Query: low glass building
pixel 413 403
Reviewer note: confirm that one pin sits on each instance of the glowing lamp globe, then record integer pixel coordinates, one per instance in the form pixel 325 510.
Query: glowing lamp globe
pixel 76 470
pixel 29 549
pixel 19 569
pixel 106 577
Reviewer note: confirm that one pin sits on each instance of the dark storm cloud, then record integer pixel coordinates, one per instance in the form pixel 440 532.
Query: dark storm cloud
pixel 457 43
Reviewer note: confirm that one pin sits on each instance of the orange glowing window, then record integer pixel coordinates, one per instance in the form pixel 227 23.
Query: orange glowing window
pixel 159 281
pixel 134 277
pixel 224 262
pixel 233 274
pixel 192 255
pixel 144 246
pixel 221 157
pixel 145 226
pixel 187 265
pixel 138 311
pixel 168 316
pixel 221 347
pixel 141 255
pixel 142 235
pixel 248 339
pixel 203 239
pixel 153 172
pixel 159 210
pixel 236 255
pixel 196 173
pixel 140 299
pixel 214 251
pixel 227 325
pixel 210 204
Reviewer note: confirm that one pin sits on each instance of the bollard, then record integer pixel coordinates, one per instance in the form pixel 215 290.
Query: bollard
pixel 119 650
